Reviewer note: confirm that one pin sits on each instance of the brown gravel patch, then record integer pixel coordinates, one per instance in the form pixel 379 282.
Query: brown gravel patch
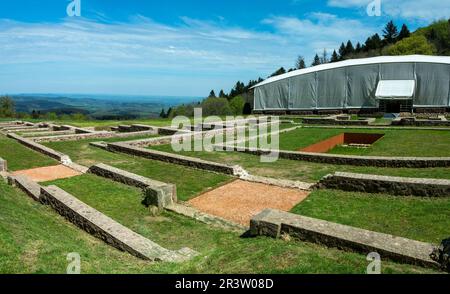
pixel 239 200
pixel 48 173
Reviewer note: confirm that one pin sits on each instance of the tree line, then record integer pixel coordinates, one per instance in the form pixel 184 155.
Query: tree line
pixel 235 102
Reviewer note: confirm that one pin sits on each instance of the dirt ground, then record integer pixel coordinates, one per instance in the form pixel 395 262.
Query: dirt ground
pixel 48 173
pixel 239 200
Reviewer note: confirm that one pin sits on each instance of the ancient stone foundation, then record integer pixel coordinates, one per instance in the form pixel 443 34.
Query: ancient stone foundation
pixel 155 193
pixel 401 186
pixel 172 158
pixel 41 148
pixel 105 228
pixel 276 223
pixel 380 161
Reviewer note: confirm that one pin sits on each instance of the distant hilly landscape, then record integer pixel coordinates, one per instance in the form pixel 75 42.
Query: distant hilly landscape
pixel 98 106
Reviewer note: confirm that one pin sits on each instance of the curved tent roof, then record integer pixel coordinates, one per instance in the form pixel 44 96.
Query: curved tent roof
pixel 360 61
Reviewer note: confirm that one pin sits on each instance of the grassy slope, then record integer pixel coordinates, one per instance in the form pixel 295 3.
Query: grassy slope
pixel 39 240
pixel 425 219
pixel 189 181
pixel 221 252
pixel 20 157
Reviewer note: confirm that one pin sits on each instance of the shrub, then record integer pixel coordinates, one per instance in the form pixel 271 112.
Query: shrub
pixel 237 105
pixel 416 44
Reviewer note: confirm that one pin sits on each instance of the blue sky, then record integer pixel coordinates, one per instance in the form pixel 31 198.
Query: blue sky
pixel 178 47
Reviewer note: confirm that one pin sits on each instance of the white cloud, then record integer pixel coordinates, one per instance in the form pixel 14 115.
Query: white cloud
pixel 153 57
pixel 321 30
pixel 414 10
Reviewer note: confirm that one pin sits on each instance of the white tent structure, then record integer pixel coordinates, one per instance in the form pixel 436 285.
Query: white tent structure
pixel 413 81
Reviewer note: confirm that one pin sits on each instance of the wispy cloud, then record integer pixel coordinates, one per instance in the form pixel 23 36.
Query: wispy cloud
pixel 149 56
pixel 321 30
pixel 414 10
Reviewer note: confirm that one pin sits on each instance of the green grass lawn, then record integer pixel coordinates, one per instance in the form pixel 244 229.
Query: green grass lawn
pixel 418 218
pixel 189 181
pixel 221 251
pixel 20 157
pixel 394 143
pixel 303 170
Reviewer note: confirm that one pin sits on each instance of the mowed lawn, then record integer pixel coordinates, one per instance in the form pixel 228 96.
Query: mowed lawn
pixel 425 143
pixel 302 170
pixel 220 251
pixel 418 218
pixel 190 182
pixel 20 157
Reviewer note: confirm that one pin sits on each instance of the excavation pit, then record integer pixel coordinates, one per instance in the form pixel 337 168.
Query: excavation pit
pixel 362 140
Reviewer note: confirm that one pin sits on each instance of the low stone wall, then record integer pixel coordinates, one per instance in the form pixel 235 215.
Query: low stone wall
pixel 30 188
pixel 49 133
pixel 32 130
pixel 412 121
pixel 10 123
pixel 206 218
pixel 107 229
pixel 182 135
pixel 21 128
pixel 135 128
pixel 155 192
pixel 61 128
pixel 3 165
pixel 336 121
pixel 383 184
pixel 380 161
pixel 169 131
pixel 276 223
pixel 277 182
pixel 41 148
pixel 140 127
pixel 171 158
pixel 95 135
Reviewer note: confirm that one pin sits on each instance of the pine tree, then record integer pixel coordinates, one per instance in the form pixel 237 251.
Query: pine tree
pixel 238 89
pixel 212 94
pixel 162 114
pixel 334 56
pixel 300 63
pixel 373 42
pixel 349 49
pixel 168 112
pixel 222 94
pixel 316 60
pixel 342 51
pixel 324 58
pixel 358 48
pixel 278 72
pixel 390 32
pixel 404 33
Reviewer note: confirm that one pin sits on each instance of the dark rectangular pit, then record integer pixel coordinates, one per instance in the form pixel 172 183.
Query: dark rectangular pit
pixel 351 139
